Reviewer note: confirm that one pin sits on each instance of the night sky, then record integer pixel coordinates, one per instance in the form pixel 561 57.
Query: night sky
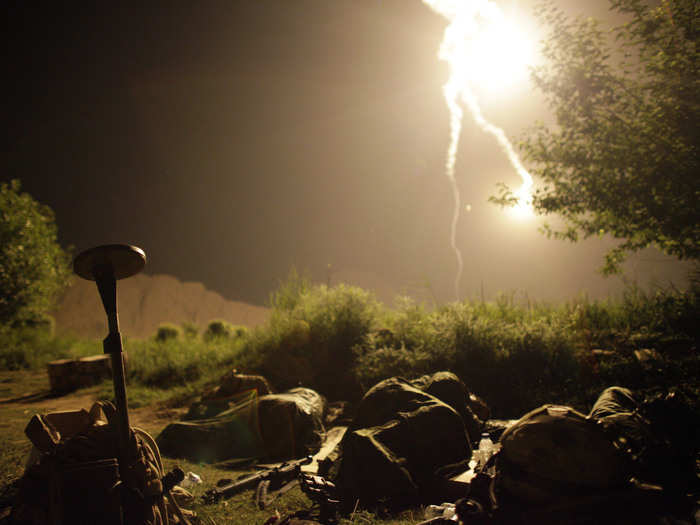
pixel 233 140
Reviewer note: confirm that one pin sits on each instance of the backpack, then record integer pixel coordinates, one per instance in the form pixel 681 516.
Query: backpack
pixel 73 475
pixel 553 452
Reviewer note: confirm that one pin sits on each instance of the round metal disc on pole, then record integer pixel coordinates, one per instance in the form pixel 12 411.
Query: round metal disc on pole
pixel 120 260
pixel 105 265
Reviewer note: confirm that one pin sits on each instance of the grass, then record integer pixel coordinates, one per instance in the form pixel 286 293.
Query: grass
pixel 340 340
pixel 241 509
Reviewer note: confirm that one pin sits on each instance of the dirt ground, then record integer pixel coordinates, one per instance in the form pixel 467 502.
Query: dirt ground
pixel 29 393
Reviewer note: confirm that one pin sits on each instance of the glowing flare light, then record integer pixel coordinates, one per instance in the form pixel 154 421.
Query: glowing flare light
pixel 482 49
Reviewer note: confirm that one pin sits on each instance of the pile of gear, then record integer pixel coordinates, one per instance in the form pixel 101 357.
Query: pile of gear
pixel 242 418
pixel 632 459
pixel 94 467
pixel 430 440
pixel 427 441
pixel 73 474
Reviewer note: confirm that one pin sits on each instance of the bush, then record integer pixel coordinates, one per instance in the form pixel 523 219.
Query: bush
pixel 33 348
pixel 189 330
pixel 167 332
pixel 341 341
pixel 34 269
pixel 310 336
pixel 486 344
pixel 376 365
pixel 176 362
pixel 290 292
pixel 218 328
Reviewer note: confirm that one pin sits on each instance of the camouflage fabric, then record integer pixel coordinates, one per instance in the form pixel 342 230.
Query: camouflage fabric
pixel 399 439
pixel 276 426
pixel 555 451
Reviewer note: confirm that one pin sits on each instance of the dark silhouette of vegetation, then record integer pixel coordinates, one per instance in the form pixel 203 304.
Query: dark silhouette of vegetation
pixel 167 332
pixel 218 328
pixel 623 158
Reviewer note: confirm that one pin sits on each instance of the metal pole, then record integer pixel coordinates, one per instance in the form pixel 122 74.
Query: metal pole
pixel 112 344
pixel 105 265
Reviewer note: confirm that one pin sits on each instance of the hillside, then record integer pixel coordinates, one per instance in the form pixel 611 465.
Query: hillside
pixel 145 301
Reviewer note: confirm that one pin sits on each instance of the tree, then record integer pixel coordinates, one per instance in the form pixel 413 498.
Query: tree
pixel 33 266
pixel 623 157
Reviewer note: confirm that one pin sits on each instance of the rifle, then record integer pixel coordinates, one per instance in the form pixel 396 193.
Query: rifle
pixel 324 494
pixel 272 479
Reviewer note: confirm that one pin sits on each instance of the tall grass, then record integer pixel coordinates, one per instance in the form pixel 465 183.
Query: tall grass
pixel 32 349
pixel 176 362
pixel 340 340
pixel 310 336
pixel 168 359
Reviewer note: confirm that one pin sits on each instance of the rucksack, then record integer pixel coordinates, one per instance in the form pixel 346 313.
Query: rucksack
pixel 553 452
pixel 73 475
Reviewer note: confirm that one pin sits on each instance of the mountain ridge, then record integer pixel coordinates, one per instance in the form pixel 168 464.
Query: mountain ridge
pixel 144 302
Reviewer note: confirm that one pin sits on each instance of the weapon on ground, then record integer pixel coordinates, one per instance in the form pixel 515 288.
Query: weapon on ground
pixel 169 481
pixel 323 493
pixel 274 478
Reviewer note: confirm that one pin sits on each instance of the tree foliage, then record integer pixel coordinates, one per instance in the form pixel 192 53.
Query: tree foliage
pixel 622 159
pixel 33 266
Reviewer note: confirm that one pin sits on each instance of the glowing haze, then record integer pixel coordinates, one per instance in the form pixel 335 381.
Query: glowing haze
pixel 487 51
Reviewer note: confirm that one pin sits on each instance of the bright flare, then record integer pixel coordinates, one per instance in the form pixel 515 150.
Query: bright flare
pixel 498 55
pixel 483 50
pixel 523 210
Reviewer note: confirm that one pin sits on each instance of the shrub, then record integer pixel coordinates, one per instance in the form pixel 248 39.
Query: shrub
pixel 310 336
pixel 220 329
pixel 167 332
pixel 240 331
pixel 178 362
pixel 189 330
pixel 33 348
pixel 34 268
pixel 378 364
pixel 290 292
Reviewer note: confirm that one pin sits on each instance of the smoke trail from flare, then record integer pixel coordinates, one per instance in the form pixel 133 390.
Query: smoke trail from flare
pixel 455 132
pixel 466 19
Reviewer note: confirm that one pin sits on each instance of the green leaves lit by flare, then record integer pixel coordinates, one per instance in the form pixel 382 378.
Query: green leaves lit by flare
pixel 623 158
